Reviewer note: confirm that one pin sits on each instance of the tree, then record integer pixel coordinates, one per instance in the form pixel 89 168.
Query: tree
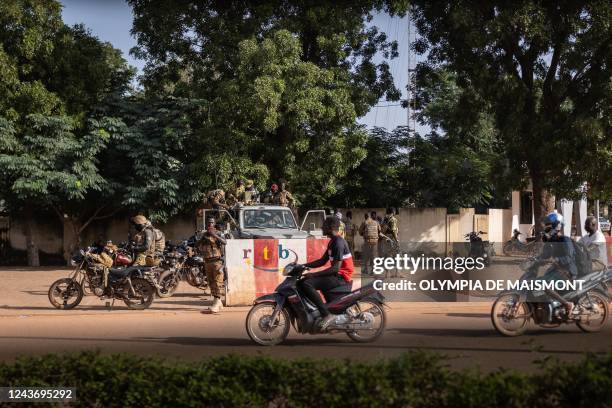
pixel 284 80
pixel 379 179
pixel 53 78
pixel 542 70
pixel 48 165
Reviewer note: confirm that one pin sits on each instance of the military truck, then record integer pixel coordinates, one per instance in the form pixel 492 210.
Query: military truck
pixel 264 221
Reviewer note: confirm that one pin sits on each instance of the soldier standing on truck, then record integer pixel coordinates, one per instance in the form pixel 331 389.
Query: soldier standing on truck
pixel 370 231
pixel 211 246
pixel 283 197
pixel 216 200
pixel 251 195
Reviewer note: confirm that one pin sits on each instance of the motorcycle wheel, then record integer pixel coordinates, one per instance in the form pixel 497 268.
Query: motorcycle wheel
pixel 505 325
pixel 380 321
pixel 65 293
pixel 168 281
pixel 602 312
pixel 258 325
pixel 145 292
pixel 508 247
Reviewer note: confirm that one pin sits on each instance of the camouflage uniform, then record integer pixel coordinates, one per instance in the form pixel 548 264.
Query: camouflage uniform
pixel 216 199
pixel 250 195
pixel 283 198
pixel 212 252
pixel 349 231
pixel 370 231
pixel 390 229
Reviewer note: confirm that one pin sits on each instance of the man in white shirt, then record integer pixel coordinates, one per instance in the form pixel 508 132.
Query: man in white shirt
pixel 595 242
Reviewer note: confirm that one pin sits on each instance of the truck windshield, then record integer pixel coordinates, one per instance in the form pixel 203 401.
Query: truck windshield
pixel 267 218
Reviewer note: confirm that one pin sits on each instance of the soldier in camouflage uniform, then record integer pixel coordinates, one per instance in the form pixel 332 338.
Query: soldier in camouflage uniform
pixel 283 197
pixel 390 229
pixel 211 246
pixel 216 199
pixel 370 231
pixel 251 195
pixel 349 231
pixel 236 195
pixel 390 225
pixel 144 242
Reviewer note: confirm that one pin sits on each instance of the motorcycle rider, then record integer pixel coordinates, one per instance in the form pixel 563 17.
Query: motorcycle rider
pixel 144 242
pixel 211 246
pixel 560 250
pixel 339 273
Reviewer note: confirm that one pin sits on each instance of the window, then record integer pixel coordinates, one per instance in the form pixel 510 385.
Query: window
pixel 526 203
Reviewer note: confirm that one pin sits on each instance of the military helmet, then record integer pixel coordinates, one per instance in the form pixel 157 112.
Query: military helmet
pixel 139 219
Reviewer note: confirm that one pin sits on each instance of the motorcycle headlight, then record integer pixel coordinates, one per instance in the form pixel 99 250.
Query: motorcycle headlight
pixel 73 262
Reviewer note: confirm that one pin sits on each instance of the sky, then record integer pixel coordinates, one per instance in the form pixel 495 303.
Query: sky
pixel 111 20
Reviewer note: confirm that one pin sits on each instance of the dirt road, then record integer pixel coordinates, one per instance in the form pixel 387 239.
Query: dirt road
pixel 174 328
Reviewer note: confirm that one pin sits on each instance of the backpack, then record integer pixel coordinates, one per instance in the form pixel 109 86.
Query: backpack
pixel 160 240
pixel 584 264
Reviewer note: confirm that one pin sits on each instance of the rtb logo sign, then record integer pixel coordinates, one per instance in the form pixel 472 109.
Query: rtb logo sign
pixel 283 253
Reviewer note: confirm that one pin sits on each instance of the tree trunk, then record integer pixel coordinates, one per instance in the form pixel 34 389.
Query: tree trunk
pixel 543 201
pixel 72 237
pixel 31 248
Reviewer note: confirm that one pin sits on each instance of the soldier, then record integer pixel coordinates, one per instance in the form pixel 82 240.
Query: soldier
pixel 211 246
pixel 390 226
pixel 349 231
pixel 283 197
pixel 271 194
pixel 236 195
pixel 342 227
pixel 251 195
pixel 370 231
pixel 216 199
pixel 145 242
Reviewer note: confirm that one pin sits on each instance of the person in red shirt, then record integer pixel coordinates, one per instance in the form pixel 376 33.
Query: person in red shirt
pixel 339 273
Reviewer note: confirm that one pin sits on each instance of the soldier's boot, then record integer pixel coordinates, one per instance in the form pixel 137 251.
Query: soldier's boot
pixel 216 306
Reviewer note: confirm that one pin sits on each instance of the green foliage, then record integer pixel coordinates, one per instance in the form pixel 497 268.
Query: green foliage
pixel 542 72
pixel 415 379
pixel 379 179
pixel 285 82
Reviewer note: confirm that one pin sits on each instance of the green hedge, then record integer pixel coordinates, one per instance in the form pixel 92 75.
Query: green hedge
pixel 413 380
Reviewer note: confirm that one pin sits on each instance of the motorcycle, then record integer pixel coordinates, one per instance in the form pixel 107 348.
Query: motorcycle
pixel 181 263
pixel 515 246
pixel 122 257
pixel 512 310
pixel 134 285
pixel 359 313
pixel 480 248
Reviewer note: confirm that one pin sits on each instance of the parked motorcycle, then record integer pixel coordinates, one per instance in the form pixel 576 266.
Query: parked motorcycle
pixel 134 285
pixel 480 248
pixel 513 309
pixel 359 313
pixel 181 263
pixel 515 246
pixel 122 257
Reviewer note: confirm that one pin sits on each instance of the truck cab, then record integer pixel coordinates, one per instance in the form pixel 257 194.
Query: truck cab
pixel 264 221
